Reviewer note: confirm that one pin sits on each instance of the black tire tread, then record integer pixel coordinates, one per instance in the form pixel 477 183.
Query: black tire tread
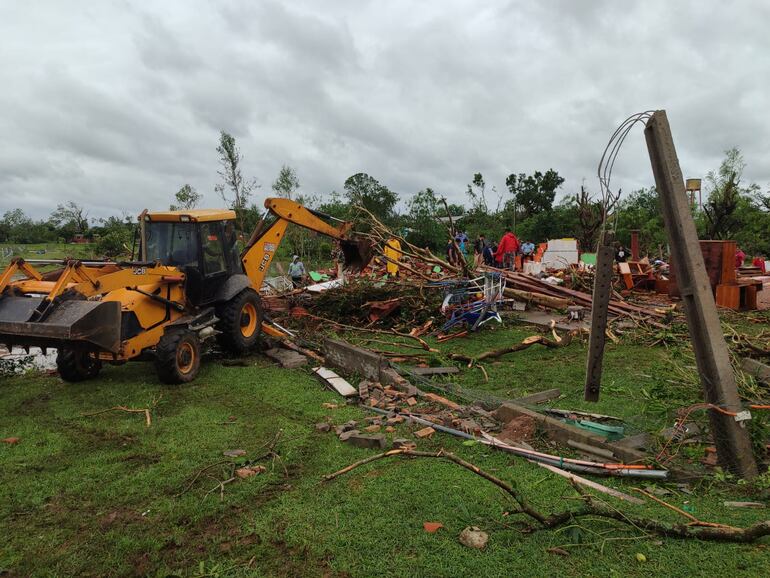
pixel 165 357
pixel 75 365
pixel 229 324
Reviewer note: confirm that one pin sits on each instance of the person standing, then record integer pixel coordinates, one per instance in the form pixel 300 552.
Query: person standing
pixel 740 257
pixel 296 271
pixel 489 255
pixel 392 252
pixel 527 250
pixel 478 249
pixel 505 256
pixel 621 255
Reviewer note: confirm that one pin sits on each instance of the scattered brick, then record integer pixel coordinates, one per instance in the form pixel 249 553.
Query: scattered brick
pixel 363 389
pixel 425 432
pixel 432 527
pixel 372 428
pixel 410 401
pixel 442 400
pixel 390 429
pixel 323 426
pixel 403 443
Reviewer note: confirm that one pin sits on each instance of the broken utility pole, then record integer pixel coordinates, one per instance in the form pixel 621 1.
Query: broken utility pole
pixel 599 311
pixel 711 355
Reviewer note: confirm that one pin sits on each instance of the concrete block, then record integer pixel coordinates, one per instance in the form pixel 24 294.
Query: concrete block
pixel 376 441
pixel 399 443
pixel 346 435
pixel 352 359
pixel 759 370
pixel 563 432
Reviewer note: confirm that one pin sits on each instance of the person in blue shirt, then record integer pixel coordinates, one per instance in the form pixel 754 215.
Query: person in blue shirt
pixel 296 271
pixel 527 250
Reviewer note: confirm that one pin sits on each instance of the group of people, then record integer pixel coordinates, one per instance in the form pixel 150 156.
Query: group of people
pixel 502 254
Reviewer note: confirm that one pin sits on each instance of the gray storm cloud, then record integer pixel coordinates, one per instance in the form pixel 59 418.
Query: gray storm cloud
pixel 116 104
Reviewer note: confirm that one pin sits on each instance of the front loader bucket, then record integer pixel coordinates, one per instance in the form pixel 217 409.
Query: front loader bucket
pixel 357 254
pixel 87 324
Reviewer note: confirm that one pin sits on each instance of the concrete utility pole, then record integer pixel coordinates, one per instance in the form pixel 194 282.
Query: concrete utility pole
pixel 711 355
pixel 600 304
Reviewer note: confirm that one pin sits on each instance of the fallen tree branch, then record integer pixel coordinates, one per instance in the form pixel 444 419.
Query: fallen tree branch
pixel 591 508
pixel 528 342
pixel 145 411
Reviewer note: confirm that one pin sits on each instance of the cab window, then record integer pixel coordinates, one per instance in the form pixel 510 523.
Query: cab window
pixel 213 248
pixel 172 244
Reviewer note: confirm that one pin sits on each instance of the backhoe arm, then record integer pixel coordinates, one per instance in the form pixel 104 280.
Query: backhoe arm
pixel 264 242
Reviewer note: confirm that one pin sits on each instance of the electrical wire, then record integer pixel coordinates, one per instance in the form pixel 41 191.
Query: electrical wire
pixel 607 163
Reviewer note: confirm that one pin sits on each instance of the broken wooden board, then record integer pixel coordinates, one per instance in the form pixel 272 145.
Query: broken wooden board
pixel 538 397
pixel 433 370
pixel 339 384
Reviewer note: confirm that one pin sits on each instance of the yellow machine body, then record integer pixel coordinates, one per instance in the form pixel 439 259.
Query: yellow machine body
pixel 121 311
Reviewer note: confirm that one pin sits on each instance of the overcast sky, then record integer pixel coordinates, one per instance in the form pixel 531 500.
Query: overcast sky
pixel 116 104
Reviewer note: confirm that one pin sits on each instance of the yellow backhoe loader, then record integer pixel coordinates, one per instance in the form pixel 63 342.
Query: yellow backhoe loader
pixel 189 284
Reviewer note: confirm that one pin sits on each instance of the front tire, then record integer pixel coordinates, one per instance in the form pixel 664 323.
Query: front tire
pixel 178 357
pixel 76 365
pixel 240 322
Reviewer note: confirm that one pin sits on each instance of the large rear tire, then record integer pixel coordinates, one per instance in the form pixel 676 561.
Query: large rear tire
pixel 77 365
pixel 240 322
pixel 178 357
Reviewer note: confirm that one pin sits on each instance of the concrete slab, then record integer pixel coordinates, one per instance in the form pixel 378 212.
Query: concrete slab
pixel 287 358
pixel 543 319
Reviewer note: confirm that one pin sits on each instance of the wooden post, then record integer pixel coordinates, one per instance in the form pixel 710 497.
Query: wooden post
pixel 711 355
pixel 634 244
pixel 600 304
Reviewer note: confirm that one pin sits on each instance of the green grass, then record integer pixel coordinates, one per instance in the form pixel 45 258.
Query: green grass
pixel 46 251
pixel 98 495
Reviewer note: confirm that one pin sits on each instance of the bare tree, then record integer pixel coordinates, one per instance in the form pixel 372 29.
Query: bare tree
pixel 589 213
pixel 233 189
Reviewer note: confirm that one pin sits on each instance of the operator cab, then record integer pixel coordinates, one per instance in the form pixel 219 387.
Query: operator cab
pixel 201 243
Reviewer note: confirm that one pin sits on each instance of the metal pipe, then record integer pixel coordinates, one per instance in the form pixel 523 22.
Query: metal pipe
pixel 569 464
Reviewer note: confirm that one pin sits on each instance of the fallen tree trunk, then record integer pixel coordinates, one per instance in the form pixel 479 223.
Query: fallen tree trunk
pixel 537 298
pixel 528 342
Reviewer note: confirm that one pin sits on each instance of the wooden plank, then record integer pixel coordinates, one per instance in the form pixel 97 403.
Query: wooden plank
pixel 711 355
pixel 539 397
pixel 433 370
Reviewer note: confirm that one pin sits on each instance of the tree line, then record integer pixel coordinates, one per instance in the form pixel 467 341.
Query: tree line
pixel 732 210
